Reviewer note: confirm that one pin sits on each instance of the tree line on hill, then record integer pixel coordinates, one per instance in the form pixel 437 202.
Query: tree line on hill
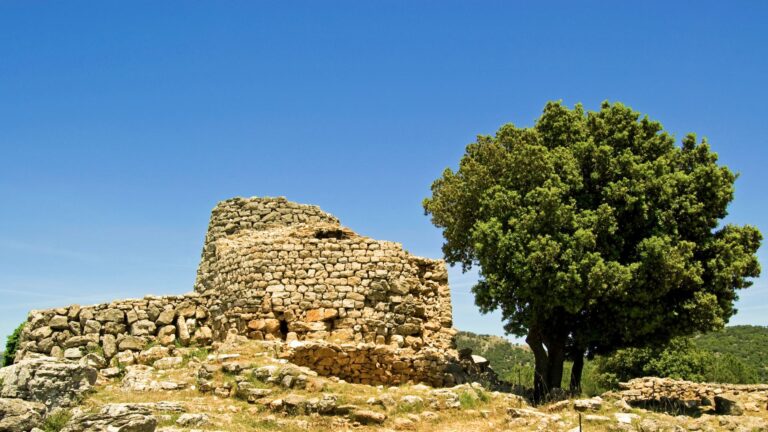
pixel 737 355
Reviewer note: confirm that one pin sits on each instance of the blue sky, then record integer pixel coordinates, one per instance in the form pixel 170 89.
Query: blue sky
pixel 123 123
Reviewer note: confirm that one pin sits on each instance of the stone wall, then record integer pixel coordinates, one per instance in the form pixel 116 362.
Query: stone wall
pixel 369 363
pixel 284 270
pixel 276 270
pixel 118 329
pixel 687 394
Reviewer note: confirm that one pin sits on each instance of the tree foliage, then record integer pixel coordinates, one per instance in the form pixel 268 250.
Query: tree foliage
pixel 593 231
pixel 11 345
pixel 746 343
pixel 680 359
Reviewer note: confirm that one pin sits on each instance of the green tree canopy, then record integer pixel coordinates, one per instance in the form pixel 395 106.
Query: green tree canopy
pixel 593 231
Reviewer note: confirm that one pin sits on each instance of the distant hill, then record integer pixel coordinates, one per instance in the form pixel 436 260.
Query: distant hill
pixel 745 342
pixel 507 359
pixel 514 363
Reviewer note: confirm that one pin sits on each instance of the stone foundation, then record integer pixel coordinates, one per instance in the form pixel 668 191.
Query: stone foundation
pixel 672 394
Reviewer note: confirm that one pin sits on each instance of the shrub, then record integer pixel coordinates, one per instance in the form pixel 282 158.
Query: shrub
pixel 11 345
pixel 57 420
pixel 680 359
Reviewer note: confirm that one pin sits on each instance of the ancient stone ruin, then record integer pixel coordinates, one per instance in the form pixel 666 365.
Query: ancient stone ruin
pixel 345 305
pixel 677 395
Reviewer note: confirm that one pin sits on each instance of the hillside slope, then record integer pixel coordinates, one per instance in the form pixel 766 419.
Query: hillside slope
pixel 745 342
pixel 514 363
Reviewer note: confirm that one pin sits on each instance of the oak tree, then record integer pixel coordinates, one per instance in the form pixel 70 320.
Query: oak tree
pixel 594 231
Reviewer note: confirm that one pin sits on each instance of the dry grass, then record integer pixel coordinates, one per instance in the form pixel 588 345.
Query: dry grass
pixel 480 411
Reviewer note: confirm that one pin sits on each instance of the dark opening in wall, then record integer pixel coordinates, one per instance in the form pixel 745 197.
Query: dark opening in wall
pixel 331 233
pixel 283 329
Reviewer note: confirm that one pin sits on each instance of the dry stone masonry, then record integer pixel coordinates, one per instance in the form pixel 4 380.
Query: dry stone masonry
pixel 666 393
pixel 345 305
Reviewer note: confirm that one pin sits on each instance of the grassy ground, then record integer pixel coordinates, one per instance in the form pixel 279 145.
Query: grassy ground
pixel 479 411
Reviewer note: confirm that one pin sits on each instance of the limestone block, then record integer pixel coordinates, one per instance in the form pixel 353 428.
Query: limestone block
pixel 109 345
pixel 203 336
pixel 321 315
pixel 78 341
pixel 131 317
pixel 143 328
pixel 114 328
pixel 126 358
pixel 181 325
pixel 73 353
pixel 152 354
pixel 59 322
pixel 167 335
pixel 272 326
pixel 111 315
pixel 186 309
pixel 41 333
pixel 131 343
pixel 166 317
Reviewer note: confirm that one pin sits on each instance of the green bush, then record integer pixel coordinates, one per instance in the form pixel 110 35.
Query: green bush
pixel 11 345
pixel 57 420
pixel 680 359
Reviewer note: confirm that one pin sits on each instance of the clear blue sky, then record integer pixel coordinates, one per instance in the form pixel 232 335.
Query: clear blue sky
pixel 123 123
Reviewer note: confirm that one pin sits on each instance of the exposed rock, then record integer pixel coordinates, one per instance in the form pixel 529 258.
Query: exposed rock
pixel 114 418
pixel 411 400
pixel 152 354
pixel 294 403
pixel 54 382
pixel 168 363
pixel 403 424
pixel 725 406
pixel 73 353
pixel 364 416
pixel 126 358
pixel 190 420
pixel 181 325
pixel 131 343
pixel 94 360
pixel 110 372
pixel 625 418
pixel 592 404
pixel 143 328
pixel 58 322
pixel 167 335
pixel 17 415
pixel 109 344
pixel 166 317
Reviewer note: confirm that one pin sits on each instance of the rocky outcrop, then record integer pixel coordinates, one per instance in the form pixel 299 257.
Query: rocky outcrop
pixel 53 382
pixel 18 415
pixel 114 418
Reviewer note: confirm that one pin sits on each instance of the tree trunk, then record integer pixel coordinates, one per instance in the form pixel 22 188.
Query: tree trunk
pixel 540 372
pixel 578 367
pixel 556 358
